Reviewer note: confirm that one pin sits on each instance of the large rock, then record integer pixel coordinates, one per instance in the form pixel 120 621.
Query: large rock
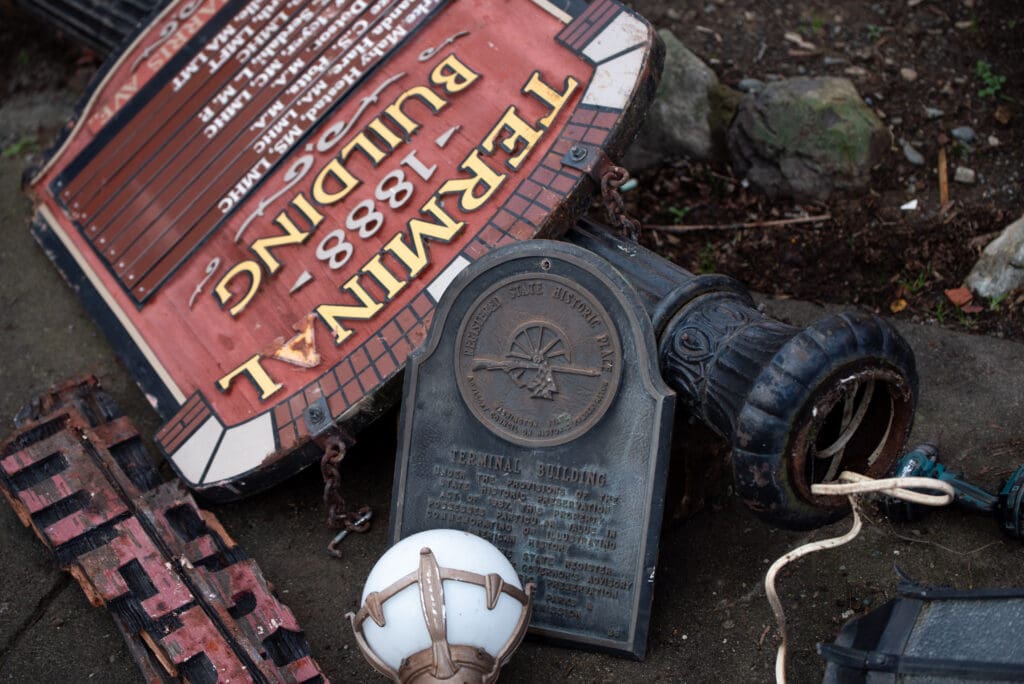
pixel 679 122
pixel 807 138
pixel 1000 268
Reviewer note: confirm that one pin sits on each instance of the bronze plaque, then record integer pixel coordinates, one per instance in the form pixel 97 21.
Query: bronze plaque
pixel 541 338
pixel 535 417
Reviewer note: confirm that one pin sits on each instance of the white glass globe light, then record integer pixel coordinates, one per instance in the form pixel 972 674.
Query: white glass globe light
pixel 442 603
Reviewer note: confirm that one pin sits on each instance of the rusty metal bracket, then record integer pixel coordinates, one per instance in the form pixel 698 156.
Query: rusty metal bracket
pixel 318 417
pixel 589 159
pixel 610 177
pixel 190 604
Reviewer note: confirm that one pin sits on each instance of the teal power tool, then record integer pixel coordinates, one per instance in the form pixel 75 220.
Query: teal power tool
pixel 923 461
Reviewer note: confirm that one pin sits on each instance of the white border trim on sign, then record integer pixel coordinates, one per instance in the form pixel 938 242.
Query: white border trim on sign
pixel 108 299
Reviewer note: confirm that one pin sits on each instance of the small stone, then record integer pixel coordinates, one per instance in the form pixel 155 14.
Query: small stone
pixel 993 141
pixel 933 113
pixel 750 85
pixel 965 175
pixel 833 61
pixel 680 120
pixel 911 153
pixel 964 134
pixel 1000 268
pixel 855 71
pixel 784 138
pixel 909 75
pixel 728 624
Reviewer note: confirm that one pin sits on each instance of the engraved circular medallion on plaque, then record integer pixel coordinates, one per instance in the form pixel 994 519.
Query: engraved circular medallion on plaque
pixel 538 359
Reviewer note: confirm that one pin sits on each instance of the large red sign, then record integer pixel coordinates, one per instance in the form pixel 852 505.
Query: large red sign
pixel 262 201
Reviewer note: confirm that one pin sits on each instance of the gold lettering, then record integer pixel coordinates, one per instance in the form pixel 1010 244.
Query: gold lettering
pixel 546 94
pixel 385 133
pixel 302 204
pixel 224 293
pixel 482 174
pixel 292 235
pixel 394 111
pixel 453 75
pixel 253 370
pixel 417 258
pixel 376 268
pixel 520 131
pixel 333 169
pixel 362 142
pixel 332 313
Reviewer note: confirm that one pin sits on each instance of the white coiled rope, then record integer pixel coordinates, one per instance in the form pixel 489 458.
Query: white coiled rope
pixel 850 485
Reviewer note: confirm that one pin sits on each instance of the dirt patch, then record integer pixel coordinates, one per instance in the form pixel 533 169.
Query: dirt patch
pixel 960 57
pixel 37 57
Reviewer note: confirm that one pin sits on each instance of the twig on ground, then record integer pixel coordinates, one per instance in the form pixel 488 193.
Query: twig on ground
pixel 943 178
pixel 979 241
pixel 722 176
pixel 711 32
pixel 760 51
pixel 694 228
pixel 912 540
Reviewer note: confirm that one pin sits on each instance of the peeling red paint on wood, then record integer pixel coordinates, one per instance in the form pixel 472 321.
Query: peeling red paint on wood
pixel 177 585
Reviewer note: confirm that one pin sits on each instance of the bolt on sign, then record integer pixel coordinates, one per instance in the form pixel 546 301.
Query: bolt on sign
pixel 261 202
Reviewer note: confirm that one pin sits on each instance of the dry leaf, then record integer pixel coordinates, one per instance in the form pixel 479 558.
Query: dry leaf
pixel 972 308
pixel 1003 114
pixel 898 305
pixel 959 296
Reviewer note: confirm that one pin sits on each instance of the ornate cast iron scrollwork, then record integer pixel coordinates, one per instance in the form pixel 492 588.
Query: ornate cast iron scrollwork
pixel 797 405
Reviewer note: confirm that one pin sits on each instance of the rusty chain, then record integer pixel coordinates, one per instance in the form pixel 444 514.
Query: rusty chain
pixel 611 180
pixel 338 517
